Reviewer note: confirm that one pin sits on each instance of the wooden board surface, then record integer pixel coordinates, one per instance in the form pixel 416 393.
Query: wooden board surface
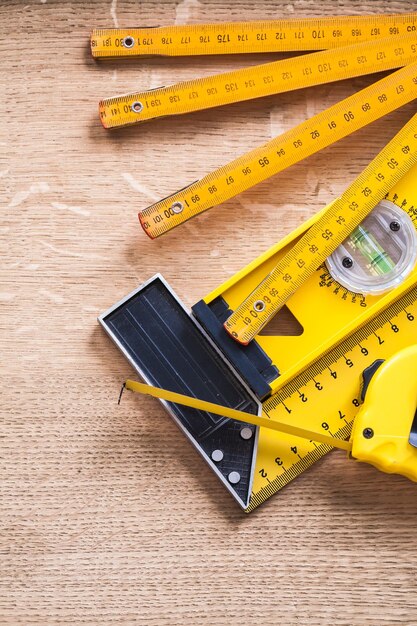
pixel 107 514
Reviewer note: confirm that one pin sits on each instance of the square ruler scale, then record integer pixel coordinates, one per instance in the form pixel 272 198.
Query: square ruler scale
pixel 347 276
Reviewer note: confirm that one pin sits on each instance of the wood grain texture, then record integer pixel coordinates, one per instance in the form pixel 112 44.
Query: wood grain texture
pixel 108 516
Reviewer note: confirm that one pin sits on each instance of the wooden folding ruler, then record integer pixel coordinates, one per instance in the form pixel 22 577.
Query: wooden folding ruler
pixel 349 46
pixel 365 242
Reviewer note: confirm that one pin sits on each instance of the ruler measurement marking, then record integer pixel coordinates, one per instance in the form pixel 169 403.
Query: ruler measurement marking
pixel 298 468
pixel 247 37
pixel 346 346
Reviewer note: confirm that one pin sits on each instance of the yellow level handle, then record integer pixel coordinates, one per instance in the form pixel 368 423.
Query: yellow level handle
pixel 315 33
pixel 259 81
pixel 291 147
pixel 326 234
pixel 240 416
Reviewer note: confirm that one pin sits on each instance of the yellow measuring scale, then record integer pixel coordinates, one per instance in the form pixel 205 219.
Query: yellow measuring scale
pixel 349 46
pixel 343 333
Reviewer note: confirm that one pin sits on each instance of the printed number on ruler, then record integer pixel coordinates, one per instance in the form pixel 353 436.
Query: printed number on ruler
pixel 247 37
pixel 337 374
pixel 263 80
pixel 291 147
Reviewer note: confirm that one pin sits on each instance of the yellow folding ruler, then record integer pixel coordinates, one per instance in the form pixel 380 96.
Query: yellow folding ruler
pixel 349 46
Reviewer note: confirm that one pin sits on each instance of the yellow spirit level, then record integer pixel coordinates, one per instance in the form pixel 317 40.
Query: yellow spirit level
pixel 311 380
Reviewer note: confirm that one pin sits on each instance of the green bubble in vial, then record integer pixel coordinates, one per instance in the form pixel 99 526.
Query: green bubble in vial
pixel 368 246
